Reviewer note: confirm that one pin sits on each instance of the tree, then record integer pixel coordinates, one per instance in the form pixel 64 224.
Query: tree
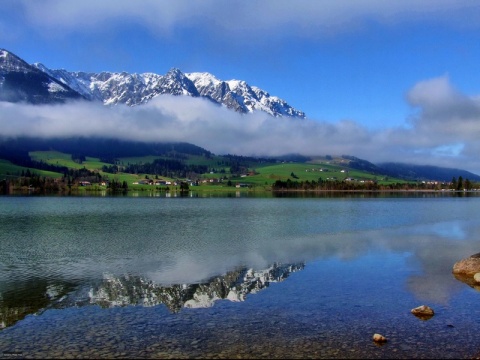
pixel 184 186
pixel 454 183
pixel 460 183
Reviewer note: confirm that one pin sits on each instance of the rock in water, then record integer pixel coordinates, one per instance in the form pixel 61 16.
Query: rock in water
pixel 469 266
pixel 476 277
pixel 379 338
pixel 466 269
pixel 424 312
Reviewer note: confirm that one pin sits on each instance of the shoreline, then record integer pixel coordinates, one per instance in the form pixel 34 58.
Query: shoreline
pixel 229 191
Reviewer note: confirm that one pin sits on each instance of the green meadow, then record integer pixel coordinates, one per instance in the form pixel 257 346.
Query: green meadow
pixel 258 176
pixel 63 159
pixel 8 170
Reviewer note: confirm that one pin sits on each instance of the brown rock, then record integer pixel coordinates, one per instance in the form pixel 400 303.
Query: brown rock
pixel 423 312
pixel 469 266
pixel 476 277
pixel 379 338
pixel 465 270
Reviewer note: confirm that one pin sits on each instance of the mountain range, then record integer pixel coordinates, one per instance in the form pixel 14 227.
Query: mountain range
pixel 37 84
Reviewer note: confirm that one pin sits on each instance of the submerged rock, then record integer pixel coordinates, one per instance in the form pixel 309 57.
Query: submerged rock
pixel 423 312
pixel 378 338
pixel 468 271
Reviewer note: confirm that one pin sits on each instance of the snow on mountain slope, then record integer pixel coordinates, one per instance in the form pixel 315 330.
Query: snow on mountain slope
pixel 135 89
pixel 238 95
pixel 21 82
pixel 66 78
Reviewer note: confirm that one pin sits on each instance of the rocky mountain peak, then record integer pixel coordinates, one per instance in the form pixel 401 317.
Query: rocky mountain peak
pixel 21 82
pixel 176 83
pixel 11 62
pixel 131 89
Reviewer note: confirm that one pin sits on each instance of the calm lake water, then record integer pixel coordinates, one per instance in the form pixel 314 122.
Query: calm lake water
pixel 227 277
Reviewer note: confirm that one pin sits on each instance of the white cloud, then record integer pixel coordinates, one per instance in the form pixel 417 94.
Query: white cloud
pixel 244 19
pixel 445 113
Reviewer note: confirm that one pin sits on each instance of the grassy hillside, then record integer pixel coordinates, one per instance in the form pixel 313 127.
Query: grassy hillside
pixel 63 159
pixel 167 167
pixel 9 170
pixel 261 173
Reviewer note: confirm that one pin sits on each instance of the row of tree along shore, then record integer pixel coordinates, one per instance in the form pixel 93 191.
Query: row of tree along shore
pixel 74 180
pixel 77 180
pixel 343 185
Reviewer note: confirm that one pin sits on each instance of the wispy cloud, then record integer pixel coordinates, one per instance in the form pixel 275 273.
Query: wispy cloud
pixel 444 130
pixel 242 18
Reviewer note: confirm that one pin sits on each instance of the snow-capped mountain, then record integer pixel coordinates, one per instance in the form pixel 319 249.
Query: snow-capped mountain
pixel 20 81
pixel 36 83
pixel 136 89
pixel 12 63
pixel 238 95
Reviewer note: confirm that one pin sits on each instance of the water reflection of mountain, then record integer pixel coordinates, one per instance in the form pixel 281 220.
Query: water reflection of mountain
pixel 125 290
pixel 30 297
pixel 234 286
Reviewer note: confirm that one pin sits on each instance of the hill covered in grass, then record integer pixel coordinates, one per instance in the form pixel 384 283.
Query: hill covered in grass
pixel 103 161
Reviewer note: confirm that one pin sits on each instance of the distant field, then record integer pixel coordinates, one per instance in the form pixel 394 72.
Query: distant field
pixel 306 171
pixel 62 159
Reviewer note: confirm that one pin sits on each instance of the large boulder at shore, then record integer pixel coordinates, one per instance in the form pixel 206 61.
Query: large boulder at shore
pixel 465 270
pixel 468 266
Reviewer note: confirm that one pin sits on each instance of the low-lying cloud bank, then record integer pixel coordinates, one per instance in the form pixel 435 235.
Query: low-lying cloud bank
pixel 443 130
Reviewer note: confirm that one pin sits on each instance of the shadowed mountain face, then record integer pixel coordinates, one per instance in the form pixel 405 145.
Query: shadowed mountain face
pixel 21 82
pixel 113 291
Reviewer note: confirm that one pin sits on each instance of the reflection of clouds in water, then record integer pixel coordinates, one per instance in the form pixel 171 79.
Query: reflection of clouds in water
pixel 452 230
pixel 212 239
pixel 429 253
pixel 187 269
pixel 435 256
pixel 434 249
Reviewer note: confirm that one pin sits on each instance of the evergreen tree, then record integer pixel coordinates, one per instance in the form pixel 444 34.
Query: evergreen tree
pixel 460 183
pixel 184 186
pixel 454 183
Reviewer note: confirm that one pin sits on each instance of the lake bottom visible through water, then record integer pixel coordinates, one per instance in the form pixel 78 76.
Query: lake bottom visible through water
pixel 281 323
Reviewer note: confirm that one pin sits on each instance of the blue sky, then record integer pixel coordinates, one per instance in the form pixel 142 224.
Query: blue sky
pixel 399 74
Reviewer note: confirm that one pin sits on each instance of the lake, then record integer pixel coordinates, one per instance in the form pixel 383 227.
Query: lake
pixel 237 277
